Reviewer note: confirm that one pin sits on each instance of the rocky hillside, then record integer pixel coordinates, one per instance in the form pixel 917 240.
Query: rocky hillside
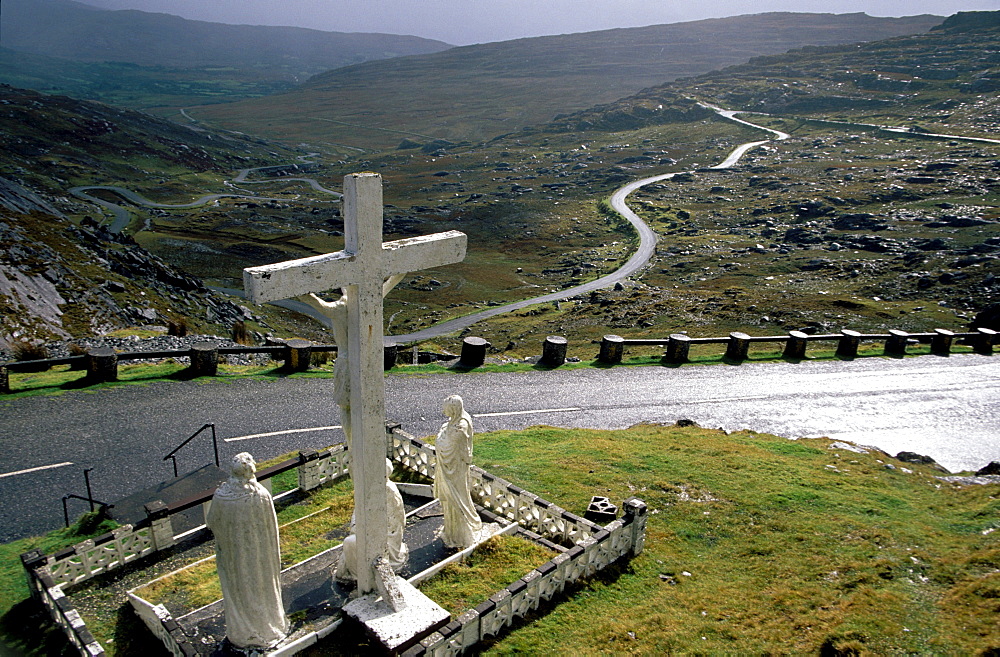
pixel 60 280
pixel 55 142
pixel 61 277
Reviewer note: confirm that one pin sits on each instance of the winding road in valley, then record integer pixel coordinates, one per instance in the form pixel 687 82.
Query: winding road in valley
pixel 638 260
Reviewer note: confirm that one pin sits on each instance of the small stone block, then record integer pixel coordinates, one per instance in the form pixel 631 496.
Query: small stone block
pixel 385 582
pixel 546 568
pixel 601 510
pixel 398 630
pixel 485 607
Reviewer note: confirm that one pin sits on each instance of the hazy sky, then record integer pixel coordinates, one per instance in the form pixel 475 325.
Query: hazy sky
pixel 462 22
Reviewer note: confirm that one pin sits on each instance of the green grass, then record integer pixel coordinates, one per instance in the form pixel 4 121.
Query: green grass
pixel 22 625
pixel 755 545
pixel 491 566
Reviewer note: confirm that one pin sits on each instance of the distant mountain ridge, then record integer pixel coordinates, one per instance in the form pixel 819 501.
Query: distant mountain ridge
pixel 73 30
pixel 477 92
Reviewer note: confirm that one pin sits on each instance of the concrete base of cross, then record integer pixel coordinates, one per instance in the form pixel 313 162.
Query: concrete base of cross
pixel 398 630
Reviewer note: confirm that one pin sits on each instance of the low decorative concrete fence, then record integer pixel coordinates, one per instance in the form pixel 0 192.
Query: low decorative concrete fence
pixel 49 576
pixel 738 344
pixel 584 547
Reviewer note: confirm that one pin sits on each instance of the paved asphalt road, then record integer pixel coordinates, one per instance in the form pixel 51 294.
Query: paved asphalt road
pixel 943 407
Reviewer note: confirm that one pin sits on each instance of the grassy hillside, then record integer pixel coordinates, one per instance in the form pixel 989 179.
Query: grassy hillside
pixel 477 92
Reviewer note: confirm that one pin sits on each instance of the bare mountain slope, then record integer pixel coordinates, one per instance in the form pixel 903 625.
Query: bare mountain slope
pixel 63 28
pixel 476 92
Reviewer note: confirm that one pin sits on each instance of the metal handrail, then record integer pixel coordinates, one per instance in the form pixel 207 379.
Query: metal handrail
pixel 215 445
pixel 104 505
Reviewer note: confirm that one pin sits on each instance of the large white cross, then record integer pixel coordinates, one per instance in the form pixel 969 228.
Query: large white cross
pixel 361 268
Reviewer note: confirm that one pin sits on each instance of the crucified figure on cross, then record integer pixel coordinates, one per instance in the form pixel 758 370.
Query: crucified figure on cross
pixel 336 312
pixel 365 270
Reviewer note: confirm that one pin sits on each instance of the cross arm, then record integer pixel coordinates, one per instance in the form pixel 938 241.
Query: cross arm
pixel 285 280
pixel 424 252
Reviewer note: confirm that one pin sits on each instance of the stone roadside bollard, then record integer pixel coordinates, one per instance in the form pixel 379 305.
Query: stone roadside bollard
pixel 298 356
pixel 983 343
pixel 847 347
pixel 553 351
pixel 795 348
pixel 389 354
pixel 678 348
pixel 612 349
pixel 4 380
pixel 473 352
pixel 738 347
pixel 102 365
pixel 895 345
pixel 204 359
pixel 942 341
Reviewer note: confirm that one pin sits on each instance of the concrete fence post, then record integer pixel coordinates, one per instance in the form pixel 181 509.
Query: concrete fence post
pixel 102 365
pixel 895 345
pixel 298 354
pixel 942 341
pixel 553 351
pixel 160 524
pixel 983 343
pixel 32 561
pixel 4 380
pixel 738 347
pixel 308 470
pixel 847 347
pixel 473 352
pixel 204 359
pixel 678 348
pixel 795 347
pixel 389 353
pixel 612 349
pixel 635 513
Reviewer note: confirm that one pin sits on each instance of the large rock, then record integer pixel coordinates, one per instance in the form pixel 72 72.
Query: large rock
pixel 988 318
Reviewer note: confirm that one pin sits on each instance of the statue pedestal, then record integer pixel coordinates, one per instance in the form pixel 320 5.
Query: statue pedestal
pixel 398 630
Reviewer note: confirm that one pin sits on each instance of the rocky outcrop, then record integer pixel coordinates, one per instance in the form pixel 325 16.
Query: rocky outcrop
pixel 59 280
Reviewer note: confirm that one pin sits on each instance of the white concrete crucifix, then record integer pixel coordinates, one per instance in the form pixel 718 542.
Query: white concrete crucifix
pixel 361 269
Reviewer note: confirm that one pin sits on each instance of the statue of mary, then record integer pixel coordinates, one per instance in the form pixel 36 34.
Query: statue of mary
pixel 451 479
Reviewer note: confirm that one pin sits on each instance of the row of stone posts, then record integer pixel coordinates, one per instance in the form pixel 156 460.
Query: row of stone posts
pixel 738 344
pixel 102 362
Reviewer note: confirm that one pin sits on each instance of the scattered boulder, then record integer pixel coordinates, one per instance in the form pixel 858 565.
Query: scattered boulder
pixel 861 221
pixel 919 459
pixel 993 468
pixel 988 318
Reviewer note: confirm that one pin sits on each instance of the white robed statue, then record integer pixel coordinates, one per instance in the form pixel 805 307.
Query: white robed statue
pixel 248 558
pixel 451 479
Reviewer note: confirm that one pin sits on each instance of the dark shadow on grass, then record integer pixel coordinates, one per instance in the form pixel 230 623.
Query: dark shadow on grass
pixel 26 630
pixel 133 638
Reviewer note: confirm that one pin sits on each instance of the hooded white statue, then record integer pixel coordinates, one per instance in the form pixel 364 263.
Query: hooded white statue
pixel 397 551
pixel 248 558
pixel 451 479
